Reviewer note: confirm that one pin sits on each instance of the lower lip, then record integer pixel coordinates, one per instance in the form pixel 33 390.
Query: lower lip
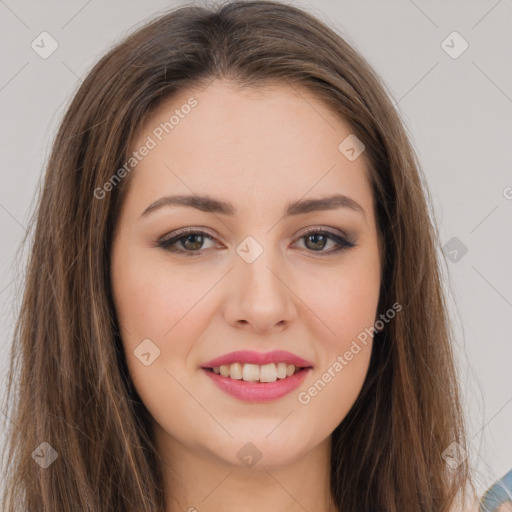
pixel 258 391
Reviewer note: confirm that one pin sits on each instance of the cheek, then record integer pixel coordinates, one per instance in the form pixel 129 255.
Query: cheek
pixel 161 313
pixel 345 301
pixel 346 304
pixel 155 299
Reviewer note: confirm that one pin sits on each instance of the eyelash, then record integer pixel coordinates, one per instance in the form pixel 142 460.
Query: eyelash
pixel 167 244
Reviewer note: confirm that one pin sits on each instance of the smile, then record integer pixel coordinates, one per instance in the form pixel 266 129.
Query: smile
pixel 256 373
pixel 256 377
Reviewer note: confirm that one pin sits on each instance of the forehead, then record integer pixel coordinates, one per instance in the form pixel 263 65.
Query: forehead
pixel 277 142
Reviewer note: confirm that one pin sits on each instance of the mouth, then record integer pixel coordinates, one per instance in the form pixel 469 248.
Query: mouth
pixel 251 376
pixel 248 372
pixel 262 388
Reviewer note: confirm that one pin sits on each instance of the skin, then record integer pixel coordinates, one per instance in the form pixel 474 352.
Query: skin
pixel 258 149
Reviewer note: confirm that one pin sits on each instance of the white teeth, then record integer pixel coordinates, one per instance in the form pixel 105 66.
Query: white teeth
pixel 235 371
pixel 268 373
pixel 281 370
pixel 253 372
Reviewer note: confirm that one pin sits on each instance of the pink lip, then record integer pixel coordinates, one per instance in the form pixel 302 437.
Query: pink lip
pixel 249 356
pixel 258 391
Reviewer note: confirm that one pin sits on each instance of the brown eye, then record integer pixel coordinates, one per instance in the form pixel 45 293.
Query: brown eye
pixel 189 240
pixel 192 242
pixel 316 241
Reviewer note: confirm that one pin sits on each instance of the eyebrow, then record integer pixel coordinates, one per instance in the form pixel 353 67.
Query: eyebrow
pixel 210 205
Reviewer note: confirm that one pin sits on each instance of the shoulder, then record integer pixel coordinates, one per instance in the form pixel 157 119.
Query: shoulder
pixel 498 498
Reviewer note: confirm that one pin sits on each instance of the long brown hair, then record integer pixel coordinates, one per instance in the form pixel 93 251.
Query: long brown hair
pixel 68 383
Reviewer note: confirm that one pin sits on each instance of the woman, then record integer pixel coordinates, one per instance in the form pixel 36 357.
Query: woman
pixel 233 298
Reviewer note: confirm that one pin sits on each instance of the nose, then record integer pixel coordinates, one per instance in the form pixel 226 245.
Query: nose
pixel 260 296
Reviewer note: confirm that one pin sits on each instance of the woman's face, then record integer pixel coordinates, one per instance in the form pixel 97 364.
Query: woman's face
pixel 252 279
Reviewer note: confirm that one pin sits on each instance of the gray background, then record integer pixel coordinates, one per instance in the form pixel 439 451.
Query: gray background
pixel 457 112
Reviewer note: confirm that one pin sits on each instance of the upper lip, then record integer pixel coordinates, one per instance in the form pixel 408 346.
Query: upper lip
pixel 259 358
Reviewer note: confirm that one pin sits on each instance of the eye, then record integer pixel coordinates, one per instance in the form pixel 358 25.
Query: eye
pixel 189 239
pixel 317 239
